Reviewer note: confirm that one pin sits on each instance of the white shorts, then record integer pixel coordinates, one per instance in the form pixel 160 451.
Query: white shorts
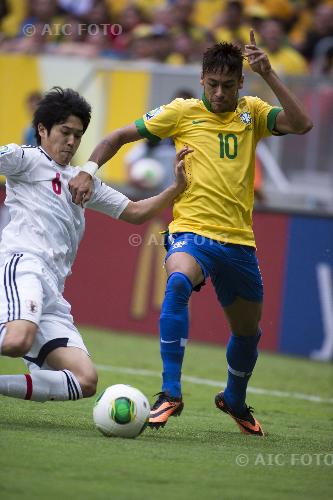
pixel 29 291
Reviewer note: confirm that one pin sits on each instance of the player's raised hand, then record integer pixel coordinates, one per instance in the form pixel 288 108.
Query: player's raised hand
pixel 257 58
pixel 81 187
pixel 179 168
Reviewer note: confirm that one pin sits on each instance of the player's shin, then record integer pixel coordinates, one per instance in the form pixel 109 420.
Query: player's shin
pixel 42 385
pixel 174 325
pixel 242 355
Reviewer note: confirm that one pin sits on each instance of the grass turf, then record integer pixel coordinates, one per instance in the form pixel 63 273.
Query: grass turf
pixel 52 450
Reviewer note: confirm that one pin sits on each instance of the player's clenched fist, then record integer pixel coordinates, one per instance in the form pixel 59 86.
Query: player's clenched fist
pixel 179 168
pixel 81 187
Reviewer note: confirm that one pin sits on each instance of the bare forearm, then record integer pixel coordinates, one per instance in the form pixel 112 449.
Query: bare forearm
pixel 143 210
pixel 152 206
pixel 109 146
pixel 106 149
pixel 292 106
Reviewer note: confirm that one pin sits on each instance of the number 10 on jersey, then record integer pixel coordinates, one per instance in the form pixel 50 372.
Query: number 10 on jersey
pixel 228 146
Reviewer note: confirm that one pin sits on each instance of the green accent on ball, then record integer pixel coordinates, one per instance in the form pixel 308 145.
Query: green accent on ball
pixel 122 411
pixel 150 175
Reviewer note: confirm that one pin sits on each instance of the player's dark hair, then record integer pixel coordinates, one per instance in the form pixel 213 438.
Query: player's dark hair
pixel 57 105
pixel 223 56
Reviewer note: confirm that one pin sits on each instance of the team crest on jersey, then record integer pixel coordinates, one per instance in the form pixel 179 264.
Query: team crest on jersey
pixel 32 306
pixel 246 117
pixel 4 150
pixel 154 112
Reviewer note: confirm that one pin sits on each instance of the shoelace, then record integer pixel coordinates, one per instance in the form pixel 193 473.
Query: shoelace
pixel 250 410
pixel 161 397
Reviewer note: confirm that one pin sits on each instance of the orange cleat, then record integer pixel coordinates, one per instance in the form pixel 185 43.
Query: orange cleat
pixel 164 407
pixel 247 423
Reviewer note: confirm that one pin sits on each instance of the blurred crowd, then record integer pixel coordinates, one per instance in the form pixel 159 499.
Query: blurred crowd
pixel 297 34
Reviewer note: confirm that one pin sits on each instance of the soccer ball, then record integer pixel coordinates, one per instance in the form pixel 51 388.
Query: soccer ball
pixel 147 173
pixel 121 411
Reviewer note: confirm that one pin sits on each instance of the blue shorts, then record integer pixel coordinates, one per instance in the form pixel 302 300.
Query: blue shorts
pixel 233 269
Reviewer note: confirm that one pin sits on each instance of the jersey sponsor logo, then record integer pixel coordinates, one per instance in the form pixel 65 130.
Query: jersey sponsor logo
pixel 195 122
pixel 4 150
pixel 245 117
pixel 154 112
pixel 179 244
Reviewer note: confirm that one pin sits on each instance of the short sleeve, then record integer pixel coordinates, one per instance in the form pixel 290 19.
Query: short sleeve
pixel 161 122
pixel 107 200
pixel 12 160
pixel 264 118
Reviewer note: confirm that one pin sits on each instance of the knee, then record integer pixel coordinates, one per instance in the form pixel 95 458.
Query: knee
pixel 180 285
pixel 18 342
pixel 245 324
pixel 244 329
pixel 16 347
pixel 88 384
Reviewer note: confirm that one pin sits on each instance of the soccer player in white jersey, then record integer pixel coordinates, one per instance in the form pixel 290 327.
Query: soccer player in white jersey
pixel 39 246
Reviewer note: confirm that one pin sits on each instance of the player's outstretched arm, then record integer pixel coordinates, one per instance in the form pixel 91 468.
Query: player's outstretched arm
pixel 81 186
pixel 293 119
pixel 143 210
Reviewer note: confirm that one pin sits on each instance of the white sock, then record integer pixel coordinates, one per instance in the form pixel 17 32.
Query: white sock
pixel 43 385
pixel 3 331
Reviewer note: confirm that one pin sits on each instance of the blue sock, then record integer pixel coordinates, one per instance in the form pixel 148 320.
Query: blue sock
pixel 174 326
pixel 242 355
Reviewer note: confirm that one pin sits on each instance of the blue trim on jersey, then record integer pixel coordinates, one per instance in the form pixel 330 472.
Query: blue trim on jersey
pixel 45 154
pixel 15 286
pixel 12 295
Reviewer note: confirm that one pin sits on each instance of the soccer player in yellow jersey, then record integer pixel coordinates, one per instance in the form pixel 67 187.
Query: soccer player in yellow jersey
pixel 211 232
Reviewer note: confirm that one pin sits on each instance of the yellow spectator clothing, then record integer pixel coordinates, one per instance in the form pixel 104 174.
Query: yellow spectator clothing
pixel 206 11
pixel 281 9
pixel 224 34
pixel 149 5
pixel 218 200
pixel 288 61
pixel 176 59
pixel 116 7
pixel 17 12
pixel 297 34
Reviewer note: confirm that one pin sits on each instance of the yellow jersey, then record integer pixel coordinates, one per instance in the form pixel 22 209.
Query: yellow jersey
pixel 218 200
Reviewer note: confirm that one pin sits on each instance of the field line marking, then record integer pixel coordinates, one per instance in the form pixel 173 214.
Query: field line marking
pixel 216 383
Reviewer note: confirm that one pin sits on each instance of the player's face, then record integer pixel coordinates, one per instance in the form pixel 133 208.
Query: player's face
pixel 63 140
pixel 221 90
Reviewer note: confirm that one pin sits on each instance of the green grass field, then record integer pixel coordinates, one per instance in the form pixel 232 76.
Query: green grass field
pixel 52 450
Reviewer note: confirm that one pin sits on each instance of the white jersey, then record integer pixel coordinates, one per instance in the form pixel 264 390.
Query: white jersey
pixel 43 219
